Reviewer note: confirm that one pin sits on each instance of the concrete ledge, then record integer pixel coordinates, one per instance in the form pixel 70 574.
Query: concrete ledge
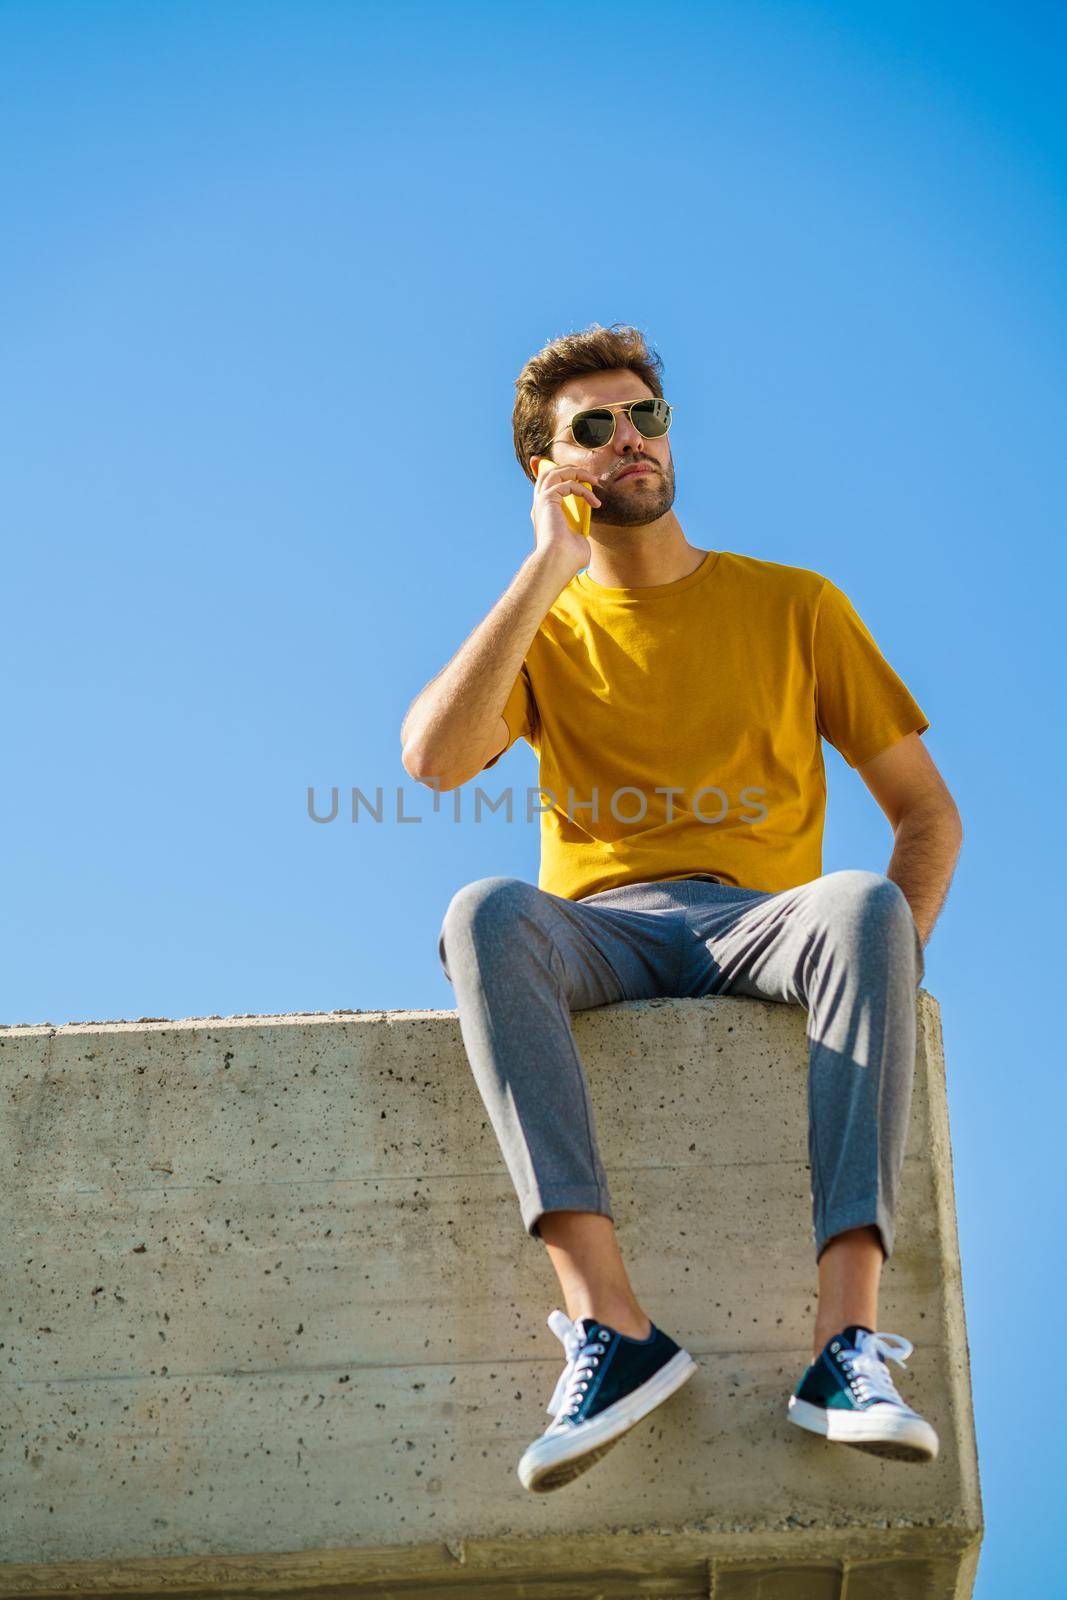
pixel 271 1320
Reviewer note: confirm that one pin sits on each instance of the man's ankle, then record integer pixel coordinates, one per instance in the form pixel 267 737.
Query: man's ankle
pixel 823 1335
pixel 635 1324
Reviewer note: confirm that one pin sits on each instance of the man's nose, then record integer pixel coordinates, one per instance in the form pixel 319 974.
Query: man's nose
pixel 626 435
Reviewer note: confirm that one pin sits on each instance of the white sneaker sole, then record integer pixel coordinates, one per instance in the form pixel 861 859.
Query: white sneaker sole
pixel 878 1431
pixel 556 1458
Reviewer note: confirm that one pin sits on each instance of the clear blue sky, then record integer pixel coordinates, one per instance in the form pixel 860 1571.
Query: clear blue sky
pixel 269 272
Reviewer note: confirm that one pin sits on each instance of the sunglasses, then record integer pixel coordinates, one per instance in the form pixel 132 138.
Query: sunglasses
pixel 594 429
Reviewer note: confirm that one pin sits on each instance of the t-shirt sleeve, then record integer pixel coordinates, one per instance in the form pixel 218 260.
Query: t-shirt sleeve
pixel 862 706
pixel 520 714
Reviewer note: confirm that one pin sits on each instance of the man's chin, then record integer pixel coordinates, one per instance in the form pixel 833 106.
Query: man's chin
pixel 630 516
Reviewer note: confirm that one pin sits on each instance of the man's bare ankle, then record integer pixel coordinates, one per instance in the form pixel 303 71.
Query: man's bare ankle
pixel 824 1333
pixel 635 1324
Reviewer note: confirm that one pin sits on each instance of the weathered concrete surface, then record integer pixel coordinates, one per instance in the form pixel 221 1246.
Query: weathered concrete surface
pixel 270 1319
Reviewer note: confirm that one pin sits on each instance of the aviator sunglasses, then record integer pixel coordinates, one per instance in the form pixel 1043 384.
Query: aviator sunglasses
pixel 594 429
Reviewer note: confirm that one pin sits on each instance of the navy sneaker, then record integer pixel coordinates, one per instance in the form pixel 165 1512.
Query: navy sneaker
pixel 609 1383
pixel 848 1395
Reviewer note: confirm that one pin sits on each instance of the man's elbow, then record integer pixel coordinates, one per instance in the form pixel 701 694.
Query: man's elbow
pixel 950 813
pixel 940 809
pixel 424 770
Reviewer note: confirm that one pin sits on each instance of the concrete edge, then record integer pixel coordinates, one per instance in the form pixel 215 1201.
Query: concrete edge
pixel 955 1324
pixel 478 1564
pixel 249 1019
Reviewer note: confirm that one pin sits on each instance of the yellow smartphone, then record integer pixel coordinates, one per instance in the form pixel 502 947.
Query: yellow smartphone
pixel 578 511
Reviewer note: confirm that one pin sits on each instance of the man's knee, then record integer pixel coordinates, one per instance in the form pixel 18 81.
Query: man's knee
pixel 855 902
pixel 870 893
pixel 481 905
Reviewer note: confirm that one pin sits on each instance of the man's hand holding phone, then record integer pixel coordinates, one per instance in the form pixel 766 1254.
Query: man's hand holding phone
pixel 561 513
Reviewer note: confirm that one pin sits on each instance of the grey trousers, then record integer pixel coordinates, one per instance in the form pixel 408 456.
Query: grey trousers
pixel 845 946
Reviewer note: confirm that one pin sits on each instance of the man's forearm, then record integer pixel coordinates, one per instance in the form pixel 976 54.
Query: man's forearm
pixel 926 846
pixel 451 722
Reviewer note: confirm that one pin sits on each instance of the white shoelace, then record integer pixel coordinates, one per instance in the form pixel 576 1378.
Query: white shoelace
pixel 576 1373
pixel 873 1378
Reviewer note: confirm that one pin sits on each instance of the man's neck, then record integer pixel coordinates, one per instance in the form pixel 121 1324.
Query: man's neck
pixel 644 561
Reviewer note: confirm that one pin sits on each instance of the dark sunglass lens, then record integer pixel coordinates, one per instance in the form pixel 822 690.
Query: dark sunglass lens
pixel 651 418
pixel 592 428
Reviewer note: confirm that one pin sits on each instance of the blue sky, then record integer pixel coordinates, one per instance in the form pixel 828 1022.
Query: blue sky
pixel 269 273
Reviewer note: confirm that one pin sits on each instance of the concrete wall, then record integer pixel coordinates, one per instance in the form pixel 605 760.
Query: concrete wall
pixel 270 1319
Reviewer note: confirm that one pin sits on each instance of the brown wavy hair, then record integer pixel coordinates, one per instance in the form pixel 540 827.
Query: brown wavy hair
pixel 595 349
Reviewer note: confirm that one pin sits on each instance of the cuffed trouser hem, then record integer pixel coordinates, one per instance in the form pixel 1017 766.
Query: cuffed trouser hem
pixel 579 1197
pixel 866 1214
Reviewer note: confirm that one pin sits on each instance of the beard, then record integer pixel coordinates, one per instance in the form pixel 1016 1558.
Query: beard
pixel 634 504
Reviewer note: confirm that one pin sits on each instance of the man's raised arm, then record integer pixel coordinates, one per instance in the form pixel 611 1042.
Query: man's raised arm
pixel 455 725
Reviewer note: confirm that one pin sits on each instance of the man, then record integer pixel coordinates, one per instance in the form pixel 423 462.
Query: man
pixel 677 698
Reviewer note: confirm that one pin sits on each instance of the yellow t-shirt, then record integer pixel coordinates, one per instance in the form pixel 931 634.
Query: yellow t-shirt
pixel 718 687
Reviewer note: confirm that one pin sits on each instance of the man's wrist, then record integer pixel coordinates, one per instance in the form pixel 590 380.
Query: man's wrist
pixel 558 564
